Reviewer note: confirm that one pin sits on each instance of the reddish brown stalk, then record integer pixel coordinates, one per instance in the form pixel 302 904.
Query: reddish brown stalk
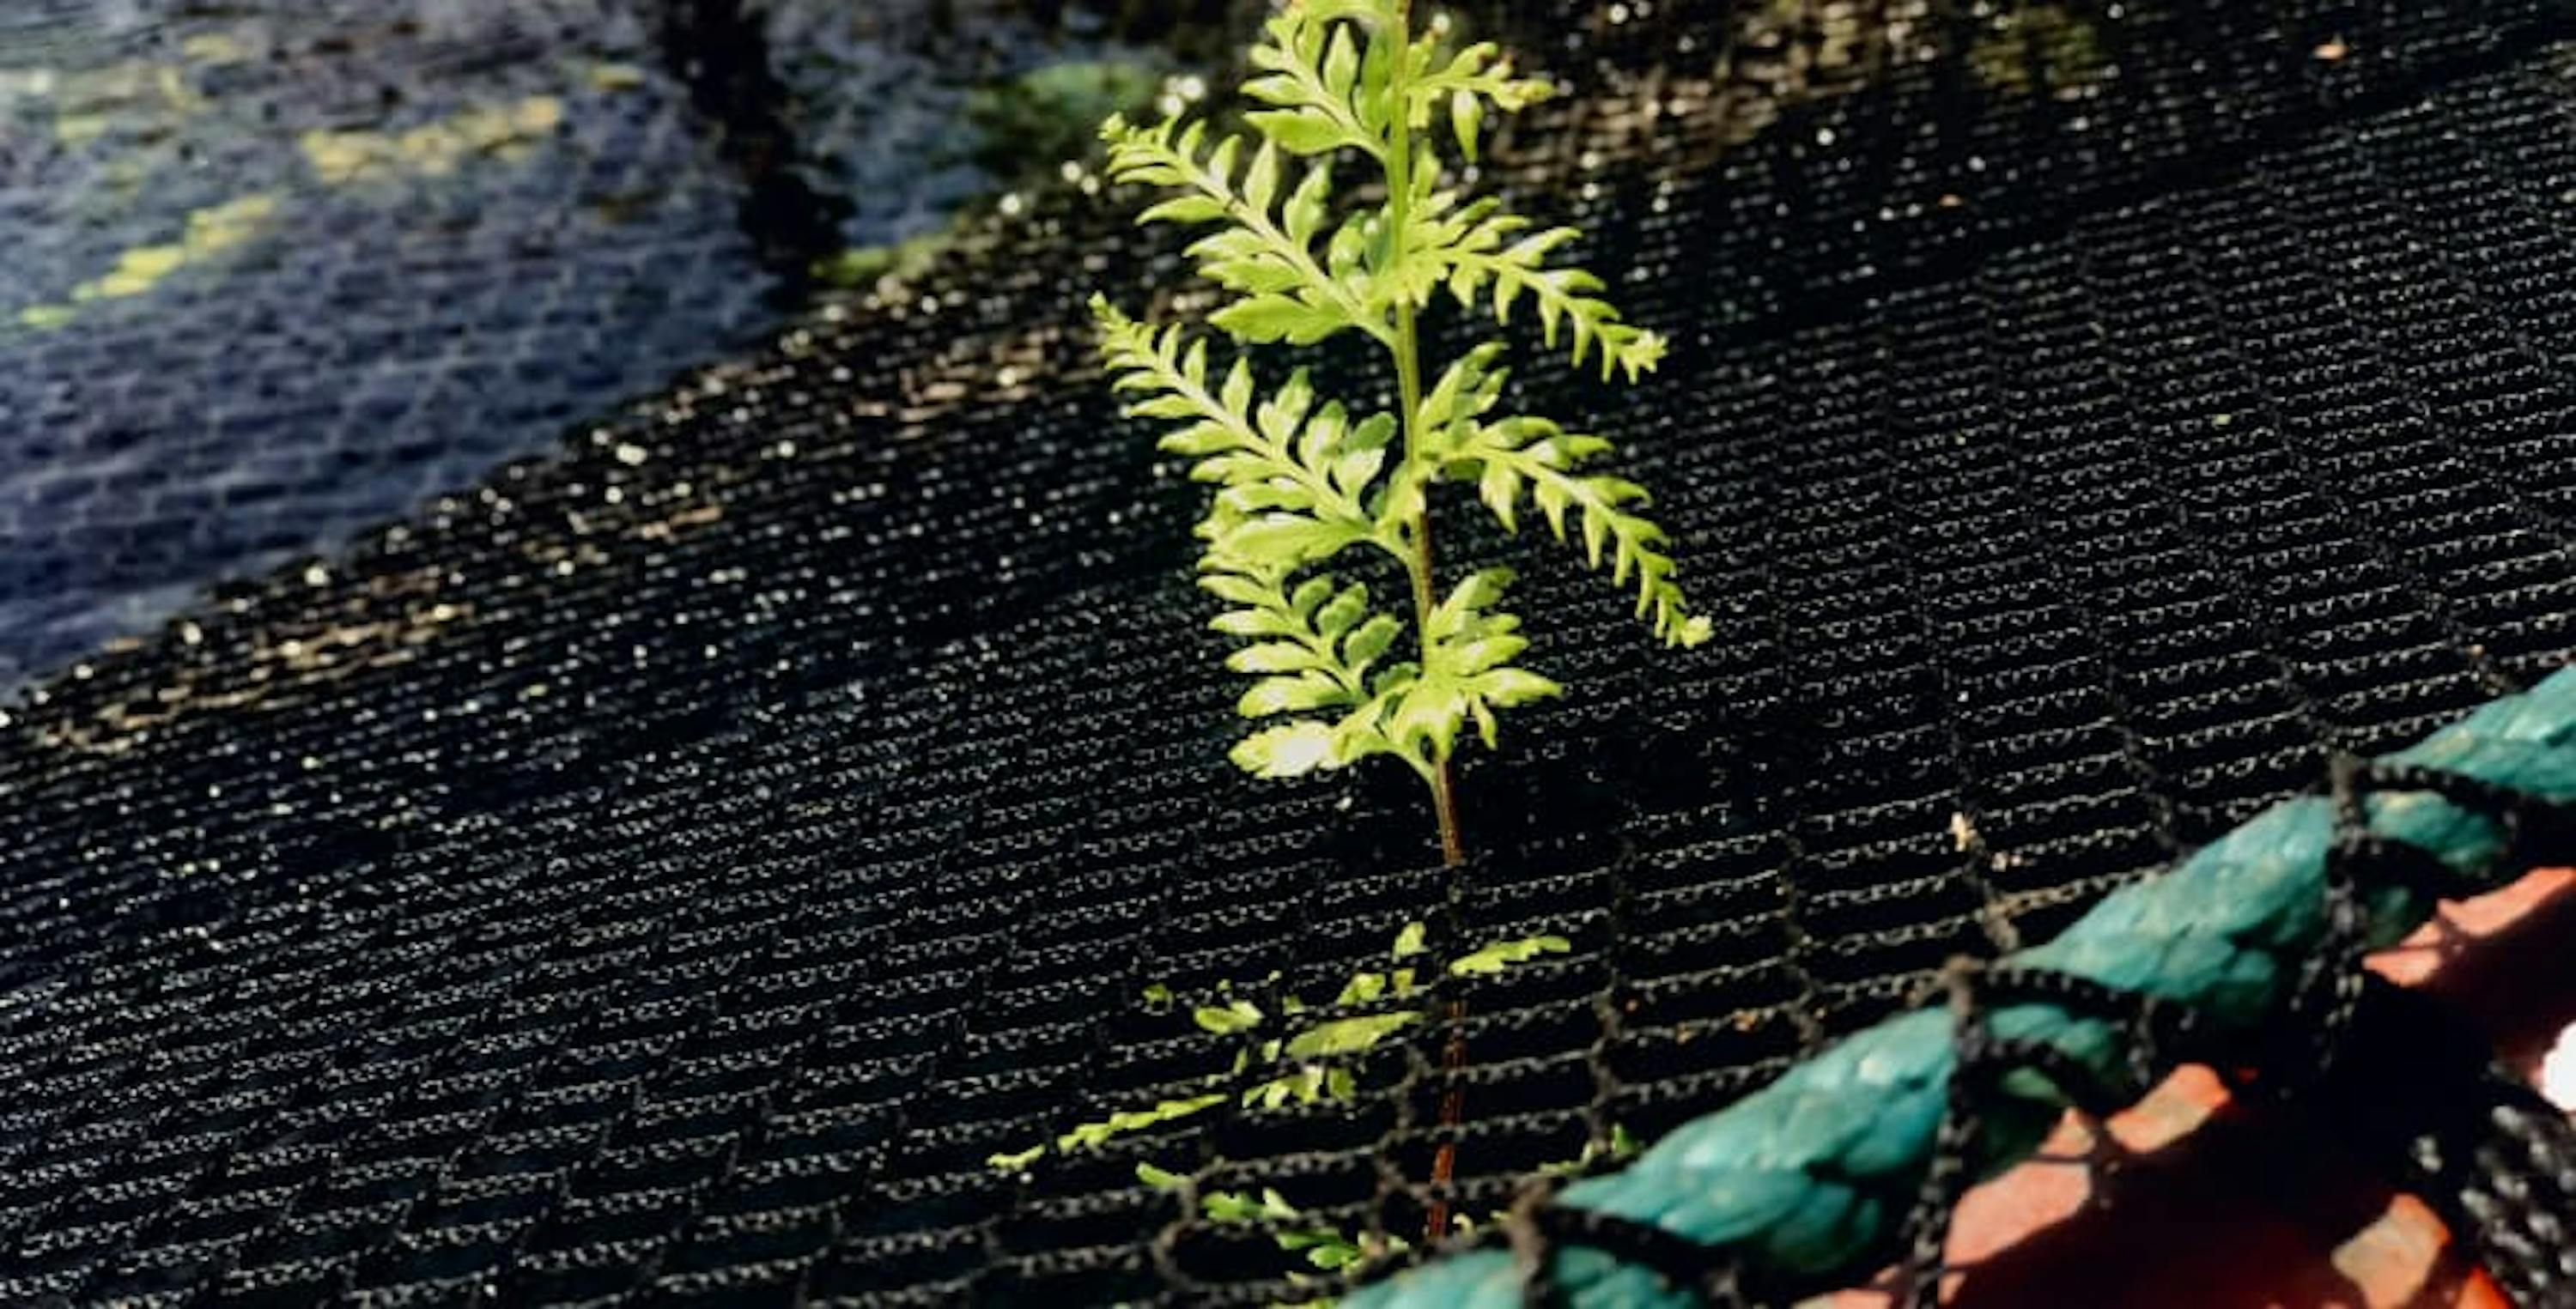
pixel 1453 1105
pixel 1444 804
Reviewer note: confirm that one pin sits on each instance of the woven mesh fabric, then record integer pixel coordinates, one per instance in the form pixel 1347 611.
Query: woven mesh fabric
pixel 669 868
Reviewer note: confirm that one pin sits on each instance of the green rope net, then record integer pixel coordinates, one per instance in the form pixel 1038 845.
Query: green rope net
pixel 1823 1173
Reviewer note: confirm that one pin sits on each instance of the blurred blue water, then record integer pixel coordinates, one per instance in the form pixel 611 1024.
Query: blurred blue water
pixel 277 272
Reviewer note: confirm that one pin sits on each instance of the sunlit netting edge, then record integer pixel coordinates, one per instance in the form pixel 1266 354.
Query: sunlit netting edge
pixel 2245 955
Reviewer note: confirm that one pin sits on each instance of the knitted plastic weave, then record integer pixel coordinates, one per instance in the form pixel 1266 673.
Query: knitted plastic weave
pixel 669 870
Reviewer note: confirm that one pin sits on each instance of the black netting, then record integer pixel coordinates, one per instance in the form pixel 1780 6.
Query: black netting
pixel 675 864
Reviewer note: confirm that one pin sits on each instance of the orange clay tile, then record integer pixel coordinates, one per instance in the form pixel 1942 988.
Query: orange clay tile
pixel 2185 1199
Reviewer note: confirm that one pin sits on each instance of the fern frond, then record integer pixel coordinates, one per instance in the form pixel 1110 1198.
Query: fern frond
pixel 1314 645
pixel 1275 457
pixel 1314 656
pixel 1093 1135
pixel 1310 70
pixel 1508 457
pixel 1471 80
pixel 1466 673
pixel 1298 481
pixel 1537 454
pixel 1327 97
pixel 1267 259
pixel 1474 249
pixel 1301 1079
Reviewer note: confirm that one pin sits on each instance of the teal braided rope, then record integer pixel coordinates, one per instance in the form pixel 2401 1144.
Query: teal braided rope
pixel 1812 1177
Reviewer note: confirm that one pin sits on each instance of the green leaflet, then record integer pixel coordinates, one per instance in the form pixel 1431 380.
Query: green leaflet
pixel 1321 510
pixel 1348 1035
pixel 1500 955
pixel 1292 1228
pixel 1466 673
pixel 1225 1019
pixel 1409 942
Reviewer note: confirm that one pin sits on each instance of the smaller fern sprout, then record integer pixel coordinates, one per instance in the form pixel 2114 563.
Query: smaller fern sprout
pixel 1307 488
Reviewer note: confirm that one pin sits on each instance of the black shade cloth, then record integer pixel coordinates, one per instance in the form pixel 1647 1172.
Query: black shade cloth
pixel 671 867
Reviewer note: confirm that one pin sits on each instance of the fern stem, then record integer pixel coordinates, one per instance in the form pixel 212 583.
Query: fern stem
pixel 1444 799
pixel 1408 382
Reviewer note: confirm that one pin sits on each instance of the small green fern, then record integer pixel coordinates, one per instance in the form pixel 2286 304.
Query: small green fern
pixel 1303 481
pixel 1310 1063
